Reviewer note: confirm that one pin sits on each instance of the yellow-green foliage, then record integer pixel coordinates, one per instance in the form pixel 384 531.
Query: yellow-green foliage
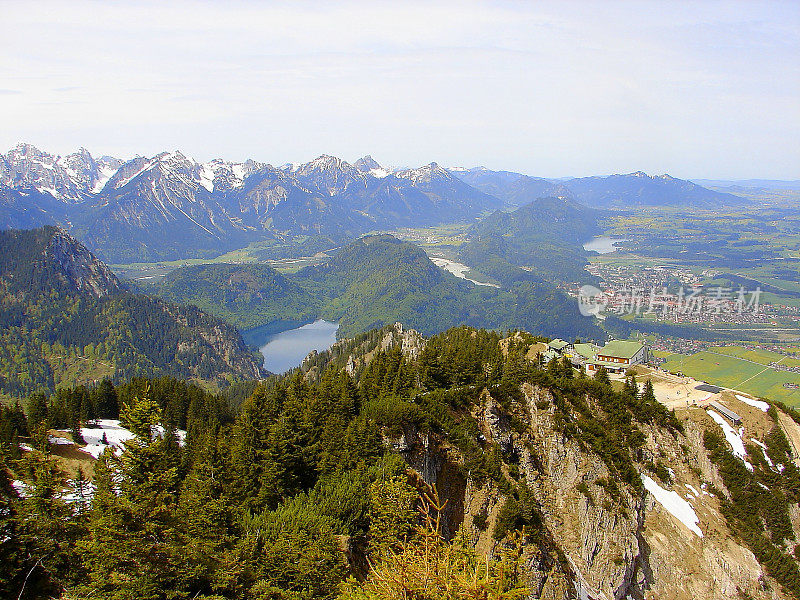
pixel 425 567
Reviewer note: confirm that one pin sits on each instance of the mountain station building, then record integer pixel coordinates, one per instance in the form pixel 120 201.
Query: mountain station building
pixel 616 356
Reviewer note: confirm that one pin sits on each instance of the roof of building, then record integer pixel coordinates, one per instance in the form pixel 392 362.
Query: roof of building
pixel 726 412
pixel 558 344
pixel 620 349
pixel 587 351
pixel 548 355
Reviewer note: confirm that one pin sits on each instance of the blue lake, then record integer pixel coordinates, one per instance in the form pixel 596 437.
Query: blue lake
pixel 287 349
pixel 603 244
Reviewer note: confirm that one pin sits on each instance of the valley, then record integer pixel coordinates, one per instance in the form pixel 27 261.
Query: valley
pixel 400 300
pixel 411 338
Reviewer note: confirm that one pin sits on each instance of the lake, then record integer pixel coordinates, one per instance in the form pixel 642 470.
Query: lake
pixel 287 349
pixel 602 244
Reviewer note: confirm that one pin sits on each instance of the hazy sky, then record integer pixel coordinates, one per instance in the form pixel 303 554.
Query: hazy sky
pixel 695 89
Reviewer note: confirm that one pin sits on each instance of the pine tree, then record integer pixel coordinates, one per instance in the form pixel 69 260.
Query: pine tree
pixel 37 409
pixel 135 548
pixel 601 376
pixel 46 528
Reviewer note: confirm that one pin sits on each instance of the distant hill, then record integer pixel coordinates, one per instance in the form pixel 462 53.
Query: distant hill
pixel 514 189
pixel 545 236
pixel 65 318
pixel 615 191
pixel 374 281
pixel 640 189
pixel 245 296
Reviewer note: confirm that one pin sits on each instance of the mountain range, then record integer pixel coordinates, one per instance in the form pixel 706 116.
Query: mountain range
pixel 170 206
pixel 612 192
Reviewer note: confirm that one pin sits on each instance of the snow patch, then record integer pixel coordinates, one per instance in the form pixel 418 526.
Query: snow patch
pixel 20 486
pixel 207 178
pixel 59 441
pixel 733 437
pixel 114 433
pixel 379 173
pixel 759 404
pixel 115 436
pixel 764 450
pixel 674 504
pixel 105 173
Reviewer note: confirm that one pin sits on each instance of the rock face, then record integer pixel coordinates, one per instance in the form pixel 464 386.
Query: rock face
pixel 597 533
pixel 79 267
pixel 595 545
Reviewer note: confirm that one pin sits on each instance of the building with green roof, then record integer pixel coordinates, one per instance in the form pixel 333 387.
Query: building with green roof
pixel 617 355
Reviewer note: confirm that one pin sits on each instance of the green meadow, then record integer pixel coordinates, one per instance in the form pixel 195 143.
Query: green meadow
pixel 742 369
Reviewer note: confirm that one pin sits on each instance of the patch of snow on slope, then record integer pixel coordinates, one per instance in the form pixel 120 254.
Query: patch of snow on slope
pixel 379 173
pixel 20 486
pixel 674 504
pixel 764 450
pixel 103 176
pixel 207 178
pixel 759 404
pixel 59 441
pixel 733 437
pixel 115 435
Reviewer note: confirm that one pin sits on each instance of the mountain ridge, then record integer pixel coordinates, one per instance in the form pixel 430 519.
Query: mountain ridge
pixel 171 206
pixel 61 306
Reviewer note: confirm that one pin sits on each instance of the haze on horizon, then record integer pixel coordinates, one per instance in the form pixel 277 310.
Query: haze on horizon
pixel 698 90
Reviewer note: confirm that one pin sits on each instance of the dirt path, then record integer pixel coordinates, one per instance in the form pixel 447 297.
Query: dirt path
pixel 792 431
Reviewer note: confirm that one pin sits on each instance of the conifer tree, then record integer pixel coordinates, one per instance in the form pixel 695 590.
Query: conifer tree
pixel 135 548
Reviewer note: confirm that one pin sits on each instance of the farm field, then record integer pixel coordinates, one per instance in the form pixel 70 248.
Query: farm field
pixel 742 369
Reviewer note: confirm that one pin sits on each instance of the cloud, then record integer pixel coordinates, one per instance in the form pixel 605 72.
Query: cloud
pixel 550 88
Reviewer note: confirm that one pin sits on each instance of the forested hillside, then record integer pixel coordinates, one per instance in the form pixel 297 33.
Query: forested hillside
pixel 545 236
pixel 458 464
pixel 374 281
pixel 64 318
pixel 245 296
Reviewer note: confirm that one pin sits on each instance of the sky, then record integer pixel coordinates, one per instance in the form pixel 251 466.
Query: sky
pixel 552 89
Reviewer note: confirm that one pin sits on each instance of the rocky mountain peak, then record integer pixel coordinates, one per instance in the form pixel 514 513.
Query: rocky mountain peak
pixel 425 174
pixel 80 267
pixel 328 174
pixel 365 164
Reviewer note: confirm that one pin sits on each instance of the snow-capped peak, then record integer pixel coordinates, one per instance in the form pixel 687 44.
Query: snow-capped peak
pixel 425 173
pixel 69 178
pixel 324 163
pixel 366 164
pixel 369 166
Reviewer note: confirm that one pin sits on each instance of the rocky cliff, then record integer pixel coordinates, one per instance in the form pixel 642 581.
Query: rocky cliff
pixel 598 542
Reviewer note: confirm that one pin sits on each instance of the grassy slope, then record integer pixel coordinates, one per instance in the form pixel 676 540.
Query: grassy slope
pixel 739 373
